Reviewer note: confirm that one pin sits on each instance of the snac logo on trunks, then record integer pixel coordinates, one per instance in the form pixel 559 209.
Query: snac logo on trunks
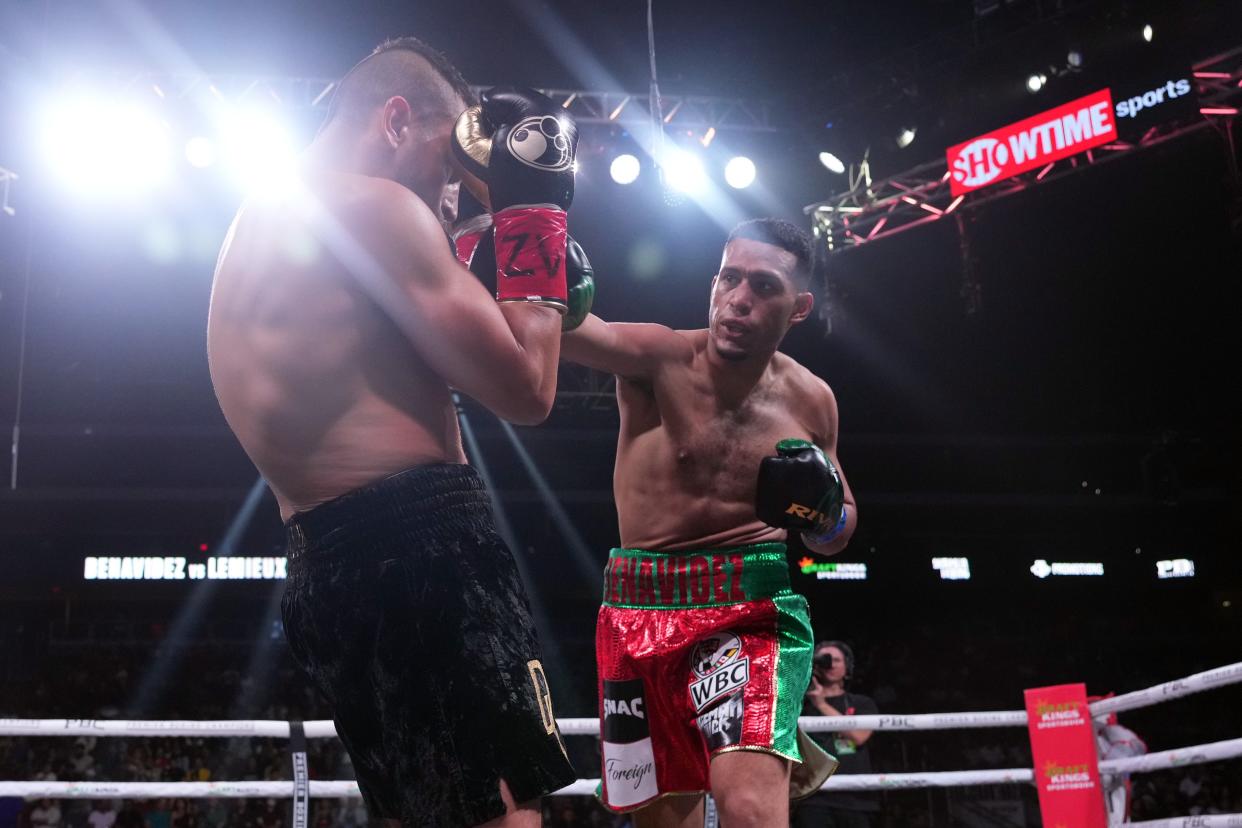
pixel 674 580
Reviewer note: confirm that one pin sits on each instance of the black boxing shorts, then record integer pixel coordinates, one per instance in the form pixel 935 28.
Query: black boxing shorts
pixel 405 608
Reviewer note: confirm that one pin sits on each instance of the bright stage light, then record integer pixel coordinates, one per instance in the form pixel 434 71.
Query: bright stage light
pixel 1148 32
pixel 906 137
pixel 259 149
pixel 1035 83
pixel 625 169
pixel 683 171
pixel 105 148
pixel 200 152
pixel 833 163
pixel 740 172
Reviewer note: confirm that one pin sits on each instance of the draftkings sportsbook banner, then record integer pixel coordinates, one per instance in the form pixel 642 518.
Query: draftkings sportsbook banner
pixel 1067 768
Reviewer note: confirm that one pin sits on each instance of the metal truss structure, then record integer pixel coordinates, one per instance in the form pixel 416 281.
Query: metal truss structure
pixel 579 388
pixel 694 112
pixel 873 210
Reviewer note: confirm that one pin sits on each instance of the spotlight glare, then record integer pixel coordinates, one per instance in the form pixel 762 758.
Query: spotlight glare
pixel 259 149
pixel 683 171
pixel 1074 59
pixel 200 152
pixel 740 172
pixel 124 151
pixel 906 137
pixel 833 163
pixel 1035 83
pixel 1148 32
pixel 625 169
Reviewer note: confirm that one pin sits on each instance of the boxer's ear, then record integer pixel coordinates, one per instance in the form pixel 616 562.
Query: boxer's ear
pixel 398 118
pixel 804 303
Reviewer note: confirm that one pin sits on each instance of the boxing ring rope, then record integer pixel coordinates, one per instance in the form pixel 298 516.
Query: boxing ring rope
pixel 1178 757
pixel 1202 821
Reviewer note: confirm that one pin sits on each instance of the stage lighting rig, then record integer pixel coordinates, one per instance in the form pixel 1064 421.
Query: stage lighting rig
pixel 740 172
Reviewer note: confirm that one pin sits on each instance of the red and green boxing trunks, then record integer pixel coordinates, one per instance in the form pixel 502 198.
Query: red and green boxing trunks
pixel 698 653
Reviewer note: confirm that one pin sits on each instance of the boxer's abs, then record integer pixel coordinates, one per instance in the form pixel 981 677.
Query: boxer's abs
pixel 323 392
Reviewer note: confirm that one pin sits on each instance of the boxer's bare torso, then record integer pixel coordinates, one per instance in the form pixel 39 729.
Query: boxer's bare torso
pixel 700 409
pixel 689 449
pixel 340 319
pixel 322 388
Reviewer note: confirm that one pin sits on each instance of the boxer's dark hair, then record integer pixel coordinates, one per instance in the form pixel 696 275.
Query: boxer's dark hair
pixel 398 66
pixel 783 234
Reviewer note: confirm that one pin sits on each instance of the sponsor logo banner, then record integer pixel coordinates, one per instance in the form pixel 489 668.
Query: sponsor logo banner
pixel 629 773
pixel 629 764
pixel 1176 568
pixel 625 712
pixel 1042 569
pixel 834 570
pixel 722 725
pixel 1162 95
pixel 1067 772
pixel 1041 139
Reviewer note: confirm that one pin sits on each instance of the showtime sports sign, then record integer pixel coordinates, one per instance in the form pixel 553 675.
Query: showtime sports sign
pixel 1041 139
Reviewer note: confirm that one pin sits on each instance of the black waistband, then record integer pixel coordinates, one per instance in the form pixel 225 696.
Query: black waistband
pixel 422 501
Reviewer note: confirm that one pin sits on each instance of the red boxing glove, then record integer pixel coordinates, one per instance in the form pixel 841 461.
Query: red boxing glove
pixel 468 234
pixel 530 256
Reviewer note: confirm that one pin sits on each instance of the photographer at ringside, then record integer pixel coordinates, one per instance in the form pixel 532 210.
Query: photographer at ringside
pixel 827 696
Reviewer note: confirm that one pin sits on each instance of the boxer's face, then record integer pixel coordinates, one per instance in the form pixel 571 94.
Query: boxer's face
pixel 755 299
pixel 421 155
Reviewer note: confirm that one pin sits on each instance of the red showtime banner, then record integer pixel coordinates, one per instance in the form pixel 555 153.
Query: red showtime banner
pixel 1067 768
pixel 1041 139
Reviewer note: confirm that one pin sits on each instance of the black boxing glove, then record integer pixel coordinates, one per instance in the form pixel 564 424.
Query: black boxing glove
pixel 516 150
pixel 800 489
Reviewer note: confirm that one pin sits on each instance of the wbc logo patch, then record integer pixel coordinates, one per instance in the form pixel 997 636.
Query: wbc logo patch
pixel 718 669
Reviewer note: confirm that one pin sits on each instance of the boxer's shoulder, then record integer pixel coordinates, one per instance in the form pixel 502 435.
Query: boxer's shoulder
pixel 667 346
pixel 389 221
pixel 371 200
pixel 805 391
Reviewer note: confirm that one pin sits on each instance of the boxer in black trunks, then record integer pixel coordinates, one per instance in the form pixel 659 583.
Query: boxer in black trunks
pixel 339 320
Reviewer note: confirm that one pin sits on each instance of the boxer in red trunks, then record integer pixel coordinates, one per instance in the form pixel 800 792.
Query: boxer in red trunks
pixel 703 650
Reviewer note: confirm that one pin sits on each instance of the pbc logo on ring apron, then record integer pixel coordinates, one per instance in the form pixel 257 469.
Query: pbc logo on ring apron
pixel 629 764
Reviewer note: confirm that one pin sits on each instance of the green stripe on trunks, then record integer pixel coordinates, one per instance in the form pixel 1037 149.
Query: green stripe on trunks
pixel 639 579
pixel 793 670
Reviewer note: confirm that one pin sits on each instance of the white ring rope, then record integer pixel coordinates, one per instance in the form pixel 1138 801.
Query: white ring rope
pixel 1179 757
pixel 1193 755
pixel 1207 680
pixel 321 729
pixel 1203 821
pixel 584 787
